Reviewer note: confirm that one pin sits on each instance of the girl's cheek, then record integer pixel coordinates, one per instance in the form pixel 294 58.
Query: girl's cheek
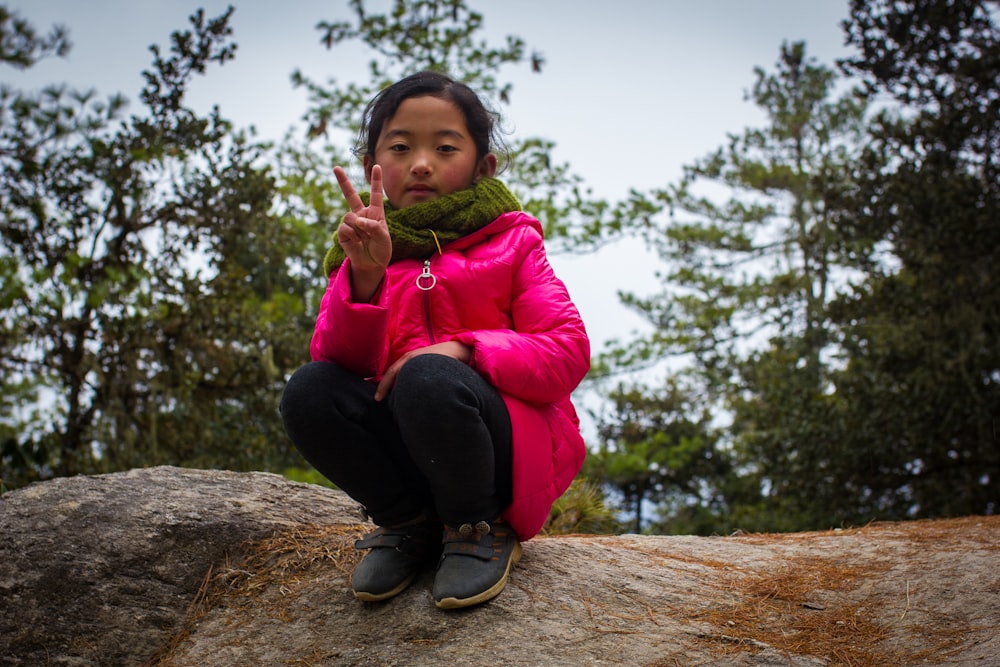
pixel 456 179
pixel 392 180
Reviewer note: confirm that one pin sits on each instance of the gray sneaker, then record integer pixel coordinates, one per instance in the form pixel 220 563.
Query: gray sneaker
pixel 395 558
pixel 475 565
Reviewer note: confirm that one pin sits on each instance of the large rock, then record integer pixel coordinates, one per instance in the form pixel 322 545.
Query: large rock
pixel 173 567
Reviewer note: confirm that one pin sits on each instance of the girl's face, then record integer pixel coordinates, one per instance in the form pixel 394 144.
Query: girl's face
pixel 425 152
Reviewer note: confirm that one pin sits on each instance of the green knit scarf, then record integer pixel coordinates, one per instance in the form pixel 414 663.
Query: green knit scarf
pixel 450 217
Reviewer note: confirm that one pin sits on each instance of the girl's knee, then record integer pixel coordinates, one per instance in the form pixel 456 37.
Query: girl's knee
pixel 430 388
pixel 305 387
pixel 429 372
pixel 297 385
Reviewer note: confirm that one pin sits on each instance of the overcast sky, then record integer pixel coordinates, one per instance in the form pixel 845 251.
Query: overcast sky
pixel 631 90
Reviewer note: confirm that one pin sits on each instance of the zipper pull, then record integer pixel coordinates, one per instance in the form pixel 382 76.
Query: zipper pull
pixel 426 279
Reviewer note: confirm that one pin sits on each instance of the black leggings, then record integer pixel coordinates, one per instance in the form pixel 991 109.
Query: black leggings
pixel 440 442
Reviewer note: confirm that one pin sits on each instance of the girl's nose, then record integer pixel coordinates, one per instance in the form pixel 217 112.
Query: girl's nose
pixel 421 165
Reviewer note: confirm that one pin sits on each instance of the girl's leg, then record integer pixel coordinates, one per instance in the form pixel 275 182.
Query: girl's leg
pixel 332 418
pixel 457 430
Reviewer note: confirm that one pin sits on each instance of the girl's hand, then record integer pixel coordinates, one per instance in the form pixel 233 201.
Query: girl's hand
pixel 364 235
pixel 452 349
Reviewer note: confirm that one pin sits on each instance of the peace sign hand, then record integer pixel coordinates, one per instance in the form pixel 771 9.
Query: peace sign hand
pixel 364 235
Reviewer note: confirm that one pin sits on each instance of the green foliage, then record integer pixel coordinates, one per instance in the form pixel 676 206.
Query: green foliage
pixel 835 309
pixel 140 323
pixel 655 448
pixel 923 379
pixel 581 510
pixel 307 476
pixel 841 307
pixel 21 46
pixel 160 272
pixel 745 299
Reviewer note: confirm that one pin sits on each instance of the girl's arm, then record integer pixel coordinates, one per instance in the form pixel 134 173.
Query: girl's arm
pixel 351 334
pixel 547 353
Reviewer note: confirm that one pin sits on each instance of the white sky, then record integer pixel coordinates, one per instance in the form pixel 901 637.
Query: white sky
pixel 631 90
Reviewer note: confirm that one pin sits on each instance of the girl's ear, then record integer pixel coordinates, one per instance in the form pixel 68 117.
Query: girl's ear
pixel 487 167
pixel 368 169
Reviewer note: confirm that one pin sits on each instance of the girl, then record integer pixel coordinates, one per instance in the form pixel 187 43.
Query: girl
pixel 444 354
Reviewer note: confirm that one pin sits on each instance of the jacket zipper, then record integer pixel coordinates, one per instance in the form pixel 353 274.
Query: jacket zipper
pixel 426 282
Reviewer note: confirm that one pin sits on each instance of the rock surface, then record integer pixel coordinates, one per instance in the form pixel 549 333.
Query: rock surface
pixel 170 567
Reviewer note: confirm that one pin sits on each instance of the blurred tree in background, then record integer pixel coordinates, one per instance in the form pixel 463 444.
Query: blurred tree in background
pixel 148 312
pixel 827 318
pixel 838 310
pixel 744 298
pixel 162 271
pixel 919 398
pixel 656 448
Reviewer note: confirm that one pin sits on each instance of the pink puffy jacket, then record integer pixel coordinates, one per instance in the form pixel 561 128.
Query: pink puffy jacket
pixel 496 292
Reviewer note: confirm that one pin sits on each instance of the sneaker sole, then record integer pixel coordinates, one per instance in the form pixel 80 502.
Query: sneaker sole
pixel 488 594
pixel 365 596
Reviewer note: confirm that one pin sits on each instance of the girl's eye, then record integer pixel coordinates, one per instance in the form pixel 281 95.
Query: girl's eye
pixel 447 149
pixel 398 148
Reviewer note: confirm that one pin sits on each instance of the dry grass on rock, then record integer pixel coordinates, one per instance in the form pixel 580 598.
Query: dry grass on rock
pixel 923 592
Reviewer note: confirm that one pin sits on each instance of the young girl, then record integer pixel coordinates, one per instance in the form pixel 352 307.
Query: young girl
pixel 444 354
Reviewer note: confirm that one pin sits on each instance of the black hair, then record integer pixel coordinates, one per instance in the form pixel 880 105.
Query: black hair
pixel 482 123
